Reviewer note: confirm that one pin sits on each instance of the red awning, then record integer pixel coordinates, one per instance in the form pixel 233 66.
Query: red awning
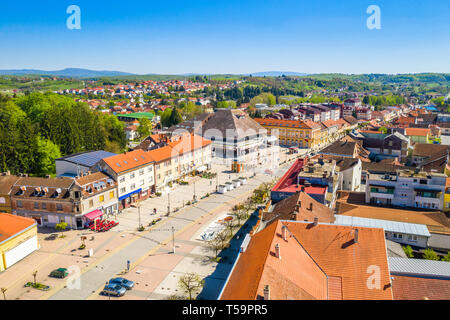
pixel 93 215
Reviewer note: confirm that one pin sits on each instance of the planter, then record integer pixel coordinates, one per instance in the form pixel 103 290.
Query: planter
pixel 38 286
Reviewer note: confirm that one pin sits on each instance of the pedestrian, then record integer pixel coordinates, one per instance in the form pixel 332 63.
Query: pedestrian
pixel 128 265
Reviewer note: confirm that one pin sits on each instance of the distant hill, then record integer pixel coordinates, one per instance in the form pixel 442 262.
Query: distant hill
pixel 68 72
pixel 277 74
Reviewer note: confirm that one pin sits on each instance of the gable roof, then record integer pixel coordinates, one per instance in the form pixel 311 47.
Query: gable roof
pixel 317 262
pixel 285 209
pixel 6 183
pixel 334 250
pixel 417 132
pixel 300 279
pixel 128 160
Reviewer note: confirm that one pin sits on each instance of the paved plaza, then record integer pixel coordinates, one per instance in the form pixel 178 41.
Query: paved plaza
pixel 154 266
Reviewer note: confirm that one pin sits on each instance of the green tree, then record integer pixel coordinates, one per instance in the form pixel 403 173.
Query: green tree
pixel 47 153
pixel 145 127
pixel 175 117
pixel 61 227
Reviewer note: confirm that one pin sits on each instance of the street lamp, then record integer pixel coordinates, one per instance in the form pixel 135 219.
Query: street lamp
pixel 194 191
pixel 173 239
pixel 139 212
pixel 168 204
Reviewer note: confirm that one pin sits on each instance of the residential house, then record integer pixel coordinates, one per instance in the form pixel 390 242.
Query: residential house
pixel 293 260
pixel 407 189
pixel 6 182
pixel 99 196
pixel 418 135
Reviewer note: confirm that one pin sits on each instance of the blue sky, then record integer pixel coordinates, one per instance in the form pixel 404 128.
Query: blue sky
pixel 216 36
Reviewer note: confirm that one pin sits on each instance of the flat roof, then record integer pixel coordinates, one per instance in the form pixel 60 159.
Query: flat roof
pixel 430 268
pixel 138 115
pixel 390 226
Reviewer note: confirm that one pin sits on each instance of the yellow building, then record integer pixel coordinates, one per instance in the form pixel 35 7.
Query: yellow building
pixel 446 205
pixel 295 133
pixel 18 238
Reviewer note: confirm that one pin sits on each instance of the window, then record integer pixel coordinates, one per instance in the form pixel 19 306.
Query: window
pixel 132 176
pixel 142 182
pixel 44 205
pixel 412 237
pixel 111 194
pixel 122 179
pixel 2 200
pixel 159 176
pixel 150 169
pixel 123 190
pixel 19 204
pixel 59 207
pixel 133 186
pixel 91 203
pixel 101 198
pixel 141 172
pixel 36 205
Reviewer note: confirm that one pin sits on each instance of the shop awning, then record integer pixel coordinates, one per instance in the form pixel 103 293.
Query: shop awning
pixel 130 194
pixel 93 215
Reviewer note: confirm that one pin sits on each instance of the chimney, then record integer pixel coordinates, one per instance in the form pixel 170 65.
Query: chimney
pixel 277 251
pixel 284 232
pixel 356 235
pixel 266 292
pixel 310 206
pixel 302 188
pixel 316 221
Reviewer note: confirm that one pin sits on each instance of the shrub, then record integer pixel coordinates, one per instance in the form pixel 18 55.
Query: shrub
pixel 446 257
pixel 408 251
pixel 429 254
pixel 158 194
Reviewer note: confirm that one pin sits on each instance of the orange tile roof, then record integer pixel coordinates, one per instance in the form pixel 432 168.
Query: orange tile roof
pixel 417 132
pixel 317 262
pixel 128 160
pixel 11 225
pixel 300 279
pixel 334 250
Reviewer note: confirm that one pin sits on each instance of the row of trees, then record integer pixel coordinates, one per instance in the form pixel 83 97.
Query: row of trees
pixel 36 129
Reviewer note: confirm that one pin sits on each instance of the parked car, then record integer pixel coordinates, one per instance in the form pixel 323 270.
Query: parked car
pixel 113 289
pixel 127 284
pixel 60 273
